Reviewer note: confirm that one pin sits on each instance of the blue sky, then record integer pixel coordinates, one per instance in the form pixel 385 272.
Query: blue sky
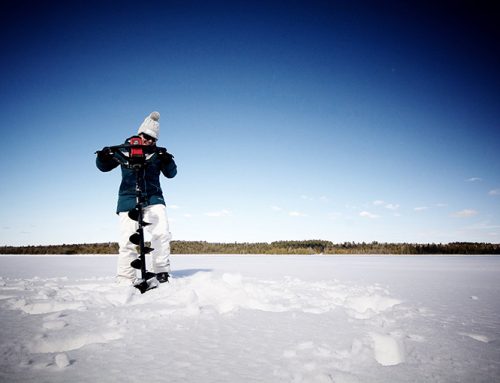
pixel 288 120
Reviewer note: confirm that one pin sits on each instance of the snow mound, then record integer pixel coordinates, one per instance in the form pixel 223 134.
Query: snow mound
pixel 204 291
pixel 232 292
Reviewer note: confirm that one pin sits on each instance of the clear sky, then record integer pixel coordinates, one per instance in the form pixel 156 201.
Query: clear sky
pixel 343 121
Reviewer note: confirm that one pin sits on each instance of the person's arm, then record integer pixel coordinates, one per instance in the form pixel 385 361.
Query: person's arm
pixel 105 161
pixel 168 166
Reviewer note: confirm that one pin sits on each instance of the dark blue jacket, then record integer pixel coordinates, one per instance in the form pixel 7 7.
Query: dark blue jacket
pixel 152 189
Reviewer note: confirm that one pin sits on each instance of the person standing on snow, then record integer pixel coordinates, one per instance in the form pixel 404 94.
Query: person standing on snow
pixel 158 160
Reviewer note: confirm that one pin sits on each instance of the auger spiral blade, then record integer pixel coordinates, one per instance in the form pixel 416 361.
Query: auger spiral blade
pixel 135 238
pixel 136 263
pixel 134 214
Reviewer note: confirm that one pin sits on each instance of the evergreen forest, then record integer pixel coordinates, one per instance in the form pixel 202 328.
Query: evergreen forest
pixel 277 247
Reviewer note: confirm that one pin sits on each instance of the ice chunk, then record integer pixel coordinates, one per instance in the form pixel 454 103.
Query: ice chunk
pixel 478 337
pixel 62 360
pixel 388 350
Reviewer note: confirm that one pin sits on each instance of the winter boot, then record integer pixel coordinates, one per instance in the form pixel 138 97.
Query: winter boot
pixel 162 277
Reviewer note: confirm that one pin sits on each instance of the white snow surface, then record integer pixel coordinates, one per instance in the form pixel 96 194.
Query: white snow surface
pixel 253 319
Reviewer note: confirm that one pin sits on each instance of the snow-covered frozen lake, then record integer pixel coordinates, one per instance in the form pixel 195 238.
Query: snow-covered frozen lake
pixel 253 319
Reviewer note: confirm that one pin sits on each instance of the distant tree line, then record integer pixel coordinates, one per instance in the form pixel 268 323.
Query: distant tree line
pixel 85 248
pixel 278 247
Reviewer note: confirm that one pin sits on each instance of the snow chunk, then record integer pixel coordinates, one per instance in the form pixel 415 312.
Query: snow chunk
pixel 366 306
pixel 388 350
pixel 59 343
pixel 478 337
pixel 44 306
pixel 62 360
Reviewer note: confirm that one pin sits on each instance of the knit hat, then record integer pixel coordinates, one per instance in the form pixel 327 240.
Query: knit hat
pixel 151 125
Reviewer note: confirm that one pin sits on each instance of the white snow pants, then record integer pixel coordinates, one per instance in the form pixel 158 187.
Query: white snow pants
pixel 156 215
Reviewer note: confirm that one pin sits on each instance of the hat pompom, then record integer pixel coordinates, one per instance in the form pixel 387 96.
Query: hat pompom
pixel 155 116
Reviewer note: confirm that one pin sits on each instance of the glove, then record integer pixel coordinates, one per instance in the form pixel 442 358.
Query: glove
pixel 105 155
pixel 164 156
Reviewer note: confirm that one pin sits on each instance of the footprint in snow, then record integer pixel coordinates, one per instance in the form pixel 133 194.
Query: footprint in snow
pixel 54 325
pixel 416 338
pixel 310 362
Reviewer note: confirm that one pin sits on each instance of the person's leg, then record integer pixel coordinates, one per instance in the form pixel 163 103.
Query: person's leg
pixel 125 273
pixel 160 237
